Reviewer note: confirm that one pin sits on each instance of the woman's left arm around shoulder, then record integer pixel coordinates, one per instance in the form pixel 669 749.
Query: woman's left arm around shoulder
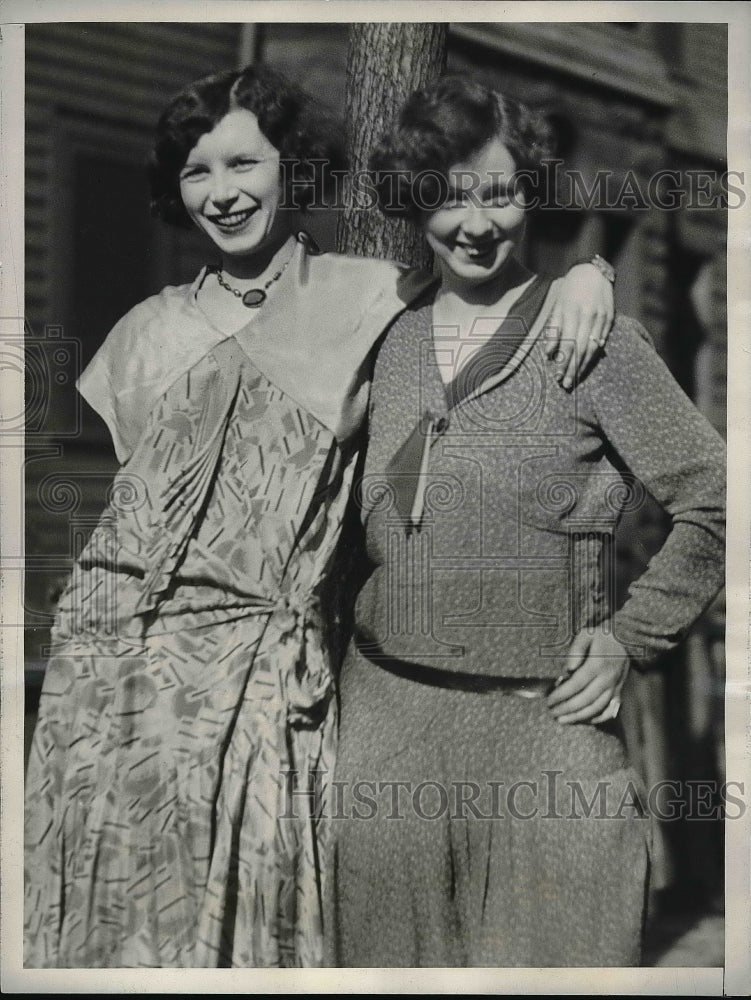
pixel 580 320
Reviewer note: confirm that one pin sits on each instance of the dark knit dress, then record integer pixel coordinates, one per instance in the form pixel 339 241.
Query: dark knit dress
pixel 471 827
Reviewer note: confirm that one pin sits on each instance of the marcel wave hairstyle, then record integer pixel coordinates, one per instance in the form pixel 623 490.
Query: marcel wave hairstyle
pixel 445 123
pixel 307 136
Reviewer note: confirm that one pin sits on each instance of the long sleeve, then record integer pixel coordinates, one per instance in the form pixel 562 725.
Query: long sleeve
pixel 656 432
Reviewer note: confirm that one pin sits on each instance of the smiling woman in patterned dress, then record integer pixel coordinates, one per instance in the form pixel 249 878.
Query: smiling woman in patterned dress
pixel 188 704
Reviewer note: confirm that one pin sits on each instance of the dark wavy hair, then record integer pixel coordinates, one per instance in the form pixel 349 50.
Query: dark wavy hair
pixel 308 138
pixel 445 123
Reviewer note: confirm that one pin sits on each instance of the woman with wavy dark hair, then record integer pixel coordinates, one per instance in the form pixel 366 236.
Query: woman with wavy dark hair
pixel 187 715
pixel 488 815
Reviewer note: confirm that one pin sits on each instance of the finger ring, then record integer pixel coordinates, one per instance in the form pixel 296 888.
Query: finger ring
pixel 614 707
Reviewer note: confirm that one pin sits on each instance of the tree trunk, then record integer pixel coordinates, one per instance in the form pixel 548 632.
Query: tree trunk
pixel 386 63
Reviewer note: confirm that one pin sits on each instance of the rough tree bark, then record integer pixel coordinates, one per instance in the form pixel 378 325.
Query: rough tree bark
pixel 386 62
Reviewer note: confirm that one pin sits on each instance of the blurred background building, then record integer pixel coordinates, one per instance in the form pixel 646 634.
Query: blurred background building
pixel 623 97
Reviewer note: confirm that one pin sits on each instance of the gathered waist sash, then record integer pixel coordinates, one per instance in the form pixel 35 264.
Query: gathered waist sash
pixel 290 623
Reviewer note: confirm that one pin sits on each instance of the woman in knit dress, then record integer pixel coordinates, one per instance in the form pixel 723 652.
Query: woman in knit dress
pixel 187 711
pixel 486 811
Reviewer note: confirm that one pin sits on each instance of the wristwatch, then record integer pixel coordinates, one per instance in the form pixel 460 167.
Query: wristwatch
pixel 605 269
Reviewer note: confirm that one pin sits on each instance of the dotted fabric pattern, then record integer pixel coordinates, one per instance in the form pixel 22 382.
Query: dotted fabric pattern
pixel 523 491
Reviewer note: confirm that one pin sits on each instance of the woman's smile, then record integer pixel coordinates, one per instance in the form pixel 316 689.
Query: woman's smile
pixel 480 252
pixel 232 222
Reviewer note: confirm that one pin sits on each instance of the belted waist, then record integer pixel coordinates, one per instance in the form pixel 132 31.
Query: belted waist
pixel 522 687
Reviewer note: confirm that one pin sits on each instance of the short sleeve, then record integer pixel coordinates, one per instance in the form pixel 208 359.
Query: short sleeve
pixel 144 353
pixel 98 384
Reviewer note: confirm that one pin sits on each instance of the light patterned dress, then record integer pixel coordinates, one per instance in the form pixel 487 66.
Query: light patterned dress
pixel 177 785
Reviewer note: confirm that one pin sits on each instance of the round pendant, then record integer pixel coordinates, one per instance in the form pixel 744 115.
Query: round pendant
pixel 254 298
